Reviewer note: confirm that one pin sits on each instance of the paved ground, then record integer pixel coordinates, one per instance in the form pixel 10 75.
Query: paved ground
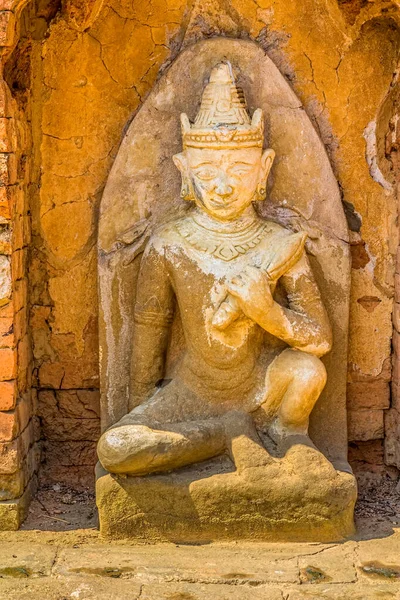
pixel 77 565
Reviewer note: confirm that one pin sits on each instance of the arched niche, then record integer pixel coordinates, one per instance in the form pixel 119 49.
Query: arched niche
pixel 143 190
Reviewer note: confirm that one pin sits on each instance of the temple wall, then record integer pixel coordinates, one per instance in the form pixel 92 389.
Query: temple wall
pixel 78 71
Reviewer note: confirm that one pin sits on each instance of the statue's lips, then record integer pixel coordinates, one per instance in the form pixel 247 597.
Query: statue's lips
pixel 220 204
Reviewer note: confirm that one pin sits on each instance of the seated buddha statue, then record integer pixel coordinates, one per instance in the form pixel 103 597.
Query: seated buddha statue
pixel 253 321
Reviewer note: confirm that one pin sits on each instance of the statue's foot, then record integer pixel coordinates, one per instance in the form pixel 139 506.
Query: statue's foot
pixel 243 443
pixel 286 437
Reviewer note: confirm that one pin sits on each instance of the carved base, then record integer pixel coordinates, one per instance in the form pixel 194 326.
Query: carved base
pixel 297 498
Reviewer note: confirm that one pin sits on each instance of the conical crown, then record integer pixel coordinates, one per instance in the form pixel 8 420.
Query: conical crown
pixel 223 120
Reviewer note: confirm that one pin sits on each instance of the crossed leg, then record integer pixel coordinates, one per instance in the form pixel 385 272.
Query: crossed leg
pixel 152 437
pixel 174 429
pixel 294 382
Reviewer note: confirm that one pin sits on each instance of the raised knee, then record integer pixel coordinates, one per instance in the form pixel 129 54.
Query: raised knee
pixel 315 370
pixel 310 369
pixel 111 449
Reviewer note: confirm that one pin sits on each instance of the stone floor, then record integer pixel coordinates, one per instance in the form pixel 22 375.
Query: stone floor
pixel 78 565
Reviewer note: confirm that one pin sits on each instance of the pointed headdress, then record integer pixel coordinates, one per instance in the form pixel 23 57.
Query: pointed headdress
pixel 223 120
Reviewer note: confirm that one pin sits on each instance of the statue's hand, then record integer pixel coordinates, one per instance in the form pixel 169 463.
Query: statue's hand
pixel 252 290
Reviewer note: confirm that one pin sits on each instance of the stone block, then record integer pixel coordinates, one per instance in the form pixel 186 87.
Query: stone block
pixel 8 425
pixel 396 394
pixel 332 565
pixel 195 504
pixel 7 395
pixel 7 364
pixel 5 241
pixel 21 231
pixel 366 455
pixel 6 333
pixel 392 439
pixel 378 591
pixel 75 587
pixel 13 453
pixel 5 281
pixel 68 429
pixel 13 485
pixel 19 262
pixel 8 163
pixel 368 394
pixel 26 559
pixel 79 404
pixel 20 324
pixel 76 374
pixel 378 560
pixel 20 294
pixel 8 137
pixel 365 425
pixel 15 421
pixel 249 567
pixel 396 314
pixel 7 28
pixel 197 591
pixel 13 512
pixel 5 212
pixel 71 453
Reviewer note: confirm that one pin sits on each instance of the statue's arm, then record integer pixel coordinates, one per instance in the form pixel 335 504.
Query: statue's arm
pixel 304 324
pixel 152 320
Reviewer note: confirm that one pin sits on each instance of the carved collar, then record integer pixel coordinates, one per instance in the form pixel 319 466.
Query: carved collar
pixel 225 241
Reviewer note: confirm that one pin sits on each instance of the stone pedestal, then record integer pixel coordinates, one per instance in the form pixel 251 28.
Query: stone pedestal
pixel 300 497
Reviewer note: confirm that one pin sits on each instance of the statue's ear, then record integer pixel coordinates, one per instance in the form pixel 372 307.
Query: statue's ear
pixel 180 162
pixel 266 163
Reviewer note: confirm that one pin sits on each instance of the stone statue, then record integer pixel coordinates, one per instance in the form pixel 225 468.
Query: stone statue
pixel 253 320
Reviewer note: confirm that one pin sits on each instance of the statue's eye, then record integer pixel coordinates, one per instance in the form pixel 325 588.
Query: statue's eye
pixel 206 173
pixel 240 170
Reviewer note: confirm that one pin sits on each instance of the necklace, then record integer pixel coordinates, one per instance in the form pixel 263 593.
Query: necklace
pixel 225 241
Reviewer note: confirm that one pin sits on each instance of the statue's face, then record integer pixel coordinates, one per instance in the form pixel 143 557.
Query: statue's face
pixel 224 182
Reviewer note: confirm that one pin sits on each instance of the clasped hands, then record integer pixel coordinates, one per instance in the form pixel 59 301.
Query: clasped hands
pixel 252 290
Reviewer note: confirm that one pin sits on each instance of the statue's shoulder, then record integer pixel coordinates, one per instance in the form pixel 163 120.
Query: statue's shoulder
pixel 163 235
pixel 274 229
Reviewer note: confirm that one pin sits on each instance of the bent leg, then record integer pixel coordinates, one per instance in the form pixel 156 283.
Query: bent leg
pixel 138 449
pixel 294 382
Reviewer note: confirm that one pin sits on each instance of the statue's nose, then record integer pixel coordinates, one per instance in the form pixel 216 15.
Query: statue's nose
pixel 223 187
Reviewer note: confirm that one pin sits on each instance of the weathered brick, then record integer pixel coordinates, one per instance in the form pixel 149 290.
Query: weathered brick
pixel 6 333
pixel 20 294
pixel 80 404
pixel 365 425
pixel 5 241
pixel 392 439
pixel 7 28
pixel 367 454
pixel 396 316
pixel 7 310
pixel 21 232
pixel 72 454
pixel 19 262
pixel 13 453
pixel 8 168
pixel 7 4
pixel 5 280
pixel 7 364
pixel 5 212
pixel 20 324
pixel 7 395
pixel 13 486
pixel 8 425
pixel 370 394
pixel 8 138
